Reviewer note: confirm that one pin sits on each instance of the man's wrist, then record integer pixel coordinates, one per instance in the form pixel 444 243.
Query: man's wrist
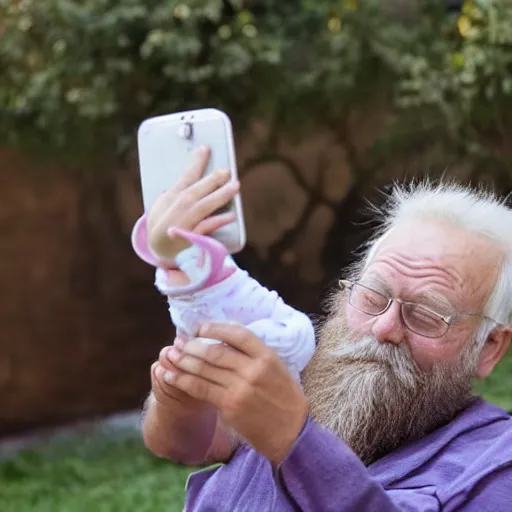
pixel 290 437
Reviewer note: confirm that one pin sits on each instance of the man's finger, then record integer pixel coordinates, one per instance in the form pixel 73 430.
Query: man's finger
pixel 179 341
pixel 199 388
pixel 235 336
pixel 196 366
pixel 217 355
pixel 166 357
pixel 162 388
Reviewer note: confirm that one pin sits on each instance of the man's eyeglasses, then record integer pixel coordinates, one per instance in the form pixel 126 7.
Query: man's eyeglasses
pixel 416 318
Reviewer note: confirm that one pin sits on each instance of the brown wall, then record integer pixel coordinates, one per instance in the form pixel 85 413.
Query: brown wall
pixel 80 320
pixel 76 335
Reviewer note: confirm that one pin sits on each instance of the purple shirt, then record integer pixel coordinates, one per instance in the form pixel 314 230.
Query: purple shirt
pixel 465 465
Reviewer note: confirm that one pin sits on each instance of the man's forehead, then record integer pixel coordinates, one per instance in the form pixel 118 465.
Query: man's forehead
pixel 444 240
pixel 468 259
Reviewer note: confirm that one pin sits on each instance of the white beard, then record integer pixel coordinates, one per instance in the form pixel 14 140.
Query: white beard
pixel 373 395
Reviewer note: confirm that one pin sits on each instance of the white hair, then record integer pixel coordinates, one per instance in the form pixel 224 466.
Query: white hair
pixel 475 210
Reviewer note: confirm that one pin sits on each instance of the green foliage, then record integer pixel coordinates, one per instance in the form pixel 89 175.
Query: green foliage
pixel 465 75
pixel 496 388
pixel 82 75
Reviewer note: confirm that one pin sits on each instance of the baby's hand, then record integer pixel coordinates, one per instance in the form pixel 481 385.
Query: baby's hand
pixel 189 205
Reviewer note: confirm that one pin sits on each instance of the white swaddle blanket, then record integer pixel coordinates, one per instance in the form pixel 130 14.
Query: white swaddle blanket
pixel 240 298
pixel 219 291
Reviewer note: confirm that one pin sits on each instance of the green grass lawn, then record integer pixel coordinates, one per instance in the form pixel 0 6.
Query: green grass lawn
pixel 105 474
pixel 91 475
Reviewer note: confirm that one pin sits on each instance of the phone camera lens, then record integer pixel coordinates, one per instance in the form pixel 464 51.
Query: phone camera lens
pixel 185 131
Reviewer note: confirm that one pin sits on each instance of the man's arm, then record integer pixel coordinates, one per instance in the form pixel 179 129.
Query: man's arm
pixel 322 474
pixel 196 439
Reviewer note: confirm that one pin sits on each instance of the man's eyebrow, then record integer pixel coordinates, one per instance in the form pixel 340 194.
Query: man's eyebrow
pixel 428 299
pixel 435 301
pixel 372 279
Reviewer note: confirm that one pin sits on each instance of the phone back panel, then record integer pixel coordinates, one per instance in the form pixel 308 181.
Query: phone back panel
pixel 165 154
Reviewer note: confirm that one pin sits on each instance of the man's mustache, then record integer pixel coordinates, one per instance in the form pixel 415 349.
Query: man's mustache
pixel 366 348
pixel 395 358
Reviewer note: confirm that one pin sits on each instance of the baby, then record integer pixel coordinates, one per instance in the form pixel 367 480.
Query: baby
pixel 218 290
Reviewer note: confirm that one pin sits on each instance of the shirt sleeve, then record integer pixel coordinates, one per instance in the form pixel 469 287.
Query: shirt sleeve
pixel 322 474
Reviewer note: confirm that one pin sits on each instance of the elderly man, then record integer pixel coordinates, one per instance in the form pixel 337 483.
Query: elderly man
pixel 385 419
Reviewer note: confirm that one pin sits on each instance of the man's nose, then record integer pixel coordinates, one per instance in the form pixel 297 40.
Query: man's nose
pixel 388 327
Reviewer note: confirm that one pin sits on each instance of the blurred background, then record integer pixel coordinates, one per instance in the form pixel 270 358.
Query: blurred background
pixel 331 102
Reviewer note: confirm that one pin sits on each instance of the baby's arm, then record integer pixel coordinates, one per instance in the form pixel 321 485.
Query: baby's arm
pixel 236 298
pixel 218 290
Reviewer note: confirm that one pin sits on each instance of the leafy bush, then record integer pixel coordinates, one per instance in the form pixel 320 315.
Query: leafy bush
pixel 82 75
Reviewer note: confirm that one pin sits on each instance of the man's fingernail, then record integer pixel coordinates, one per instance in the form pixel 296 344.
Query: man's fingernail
pixel 168 377
pixel 202 149
pixel 207 341
pixel 172 354
pixel 223 173
pixel 153 366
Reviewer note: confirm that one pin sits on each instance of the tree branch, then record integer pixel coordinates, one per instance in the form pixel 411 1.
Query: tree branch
pixel 288 237
pixel 291 166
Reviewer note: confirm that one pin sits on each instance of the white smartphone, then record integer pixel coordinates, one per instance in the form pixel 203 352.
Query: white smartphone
pixel 166 144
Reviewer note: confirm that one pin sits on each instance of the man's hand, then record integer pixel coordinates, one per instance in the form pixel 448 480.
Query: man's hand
pixel 180 427
pixel 191 204
pixel 249 385
pixel 173 400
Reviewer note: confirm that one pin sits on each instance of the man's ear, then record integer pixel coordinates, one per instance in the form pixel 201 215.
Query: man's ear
pixel 494 349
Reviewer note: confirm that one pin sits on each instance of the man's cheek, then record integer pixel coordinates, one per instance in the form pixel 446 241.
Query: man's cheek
pixel 427 354
pixel 356 320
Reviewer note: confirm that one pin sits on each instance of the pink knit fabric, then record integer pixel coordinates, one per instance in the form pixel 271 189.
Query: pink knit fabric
pixel 214 253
